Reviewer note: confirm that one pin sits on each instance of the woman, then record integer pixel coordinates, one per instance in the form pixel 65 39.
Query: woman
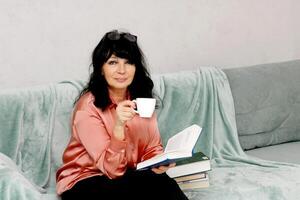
pixel 108 138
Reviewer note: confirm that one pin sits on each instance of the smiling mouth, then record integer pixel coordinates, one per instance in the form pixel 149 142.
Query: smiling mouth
pixel 120 80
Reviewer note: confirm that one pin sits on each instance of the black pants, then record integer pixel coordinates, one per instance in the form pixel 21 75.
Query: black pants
pixel 142 185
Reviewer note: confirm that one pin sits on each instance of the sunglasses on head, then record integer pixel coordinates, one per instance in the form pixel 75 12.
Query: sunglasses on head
pixel 115 35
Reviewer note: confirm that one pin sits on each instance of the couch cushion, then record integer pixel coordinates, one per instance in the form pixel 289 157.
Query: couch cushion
pixel 286 152
pixel 267 103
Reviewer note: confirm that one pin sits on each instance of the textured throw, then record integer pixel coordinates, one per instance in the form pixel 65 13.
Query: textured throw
pixel 34 130
pixel 204 97
pixel 26 128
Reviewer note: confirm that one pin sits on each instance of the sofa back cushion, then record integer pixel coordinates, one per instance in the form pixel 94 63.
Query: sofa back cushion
pixel 26 122
pixel 267 103
pixel 35 128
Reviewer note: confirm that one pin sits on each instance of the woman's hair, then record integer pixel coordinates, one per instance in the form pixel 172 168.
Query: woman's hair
pixel 123 45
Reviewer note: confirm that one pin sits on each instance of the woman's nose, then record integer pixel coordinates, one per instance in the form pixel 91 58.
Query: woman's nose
pixel 121 68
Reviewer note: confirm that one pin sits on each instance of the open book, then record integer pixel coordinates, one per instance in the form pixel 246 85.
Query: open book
pixel 178 147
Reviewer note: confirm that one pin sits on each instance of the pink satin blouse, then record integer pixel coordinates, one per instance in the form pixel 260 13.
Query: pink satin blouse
pixel 93 149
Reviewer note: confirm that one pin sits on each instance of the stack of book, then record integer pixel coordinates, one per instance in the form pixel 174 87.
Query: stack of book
pixel 191 168
pixel 193 181
pixel 192 172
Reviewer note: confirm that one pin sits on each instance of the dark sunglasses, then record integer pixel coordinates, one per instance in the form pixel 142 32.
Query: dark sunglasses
pixel 115 35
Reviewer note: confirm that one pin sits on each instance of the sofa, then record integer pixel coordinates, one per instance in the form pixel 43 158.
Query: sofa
pixel 250 118
pixel 267 105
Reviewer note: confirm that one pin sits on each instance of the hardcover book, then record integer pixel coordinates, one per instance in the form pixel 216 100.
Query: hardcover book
pixel 193 184
pixel 198 163
pixel 191 177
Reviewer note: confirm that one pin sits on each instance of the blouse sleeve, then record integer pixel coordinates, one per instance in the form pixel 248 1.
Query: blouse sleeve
pixel 154 146
pixel 107 152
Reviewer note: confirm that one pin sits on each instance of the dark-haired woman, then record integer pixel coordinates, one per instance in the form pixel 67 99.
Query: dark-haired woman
pixel 108 138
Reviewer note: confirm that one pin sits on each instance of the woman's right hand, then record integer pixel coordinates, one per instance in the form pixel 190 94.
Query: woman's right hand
pixel 125 111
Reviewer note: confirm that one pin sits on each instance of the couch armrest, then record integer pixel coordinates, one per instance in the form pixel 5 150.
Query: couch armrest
pixel 13 184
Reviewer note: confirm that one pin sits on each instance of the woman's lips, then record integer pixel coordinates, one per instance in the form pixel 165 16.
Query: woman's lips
pixel 120 80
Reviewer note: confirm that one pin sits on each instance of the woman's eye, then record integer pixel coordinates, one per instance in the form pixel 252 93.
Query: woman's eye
pixel 129 63
pixel 112 62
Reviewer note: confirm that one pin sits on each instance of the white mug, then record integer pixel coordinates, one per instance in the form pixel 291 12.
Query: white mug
pixel 145 106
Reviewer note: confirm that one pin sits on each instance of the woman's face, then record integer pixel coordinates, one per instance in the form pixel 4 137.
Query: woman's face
pixel 118 73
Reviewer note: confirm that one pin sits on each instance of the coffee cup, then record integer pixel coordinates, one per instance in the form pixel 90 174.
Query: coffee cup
pixel 145 106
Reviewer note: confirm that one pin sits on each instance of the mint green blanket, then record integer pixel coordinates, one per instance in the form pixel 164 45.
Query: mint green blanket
pixel 34 130
pixel 204 97
pixel 34 125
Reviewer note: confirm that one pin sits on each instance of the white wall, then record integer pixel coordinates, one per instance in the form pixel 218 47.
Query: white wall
pixel 44 41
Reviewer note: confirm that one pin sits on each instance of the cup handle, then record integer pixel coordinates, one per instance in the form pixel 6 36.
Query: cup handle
pixel 135 104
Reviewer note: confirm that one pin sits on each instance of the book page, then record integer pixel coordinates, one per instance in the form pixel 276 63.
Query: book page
pixel 184 140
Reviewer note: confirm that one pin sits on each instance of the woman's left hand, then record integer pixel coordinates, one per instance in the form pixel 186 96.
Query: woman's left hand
pixel 163 168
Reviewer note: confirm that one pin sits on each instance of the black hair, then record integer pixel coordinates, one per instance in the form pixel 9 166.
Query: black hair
pixel 124 47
